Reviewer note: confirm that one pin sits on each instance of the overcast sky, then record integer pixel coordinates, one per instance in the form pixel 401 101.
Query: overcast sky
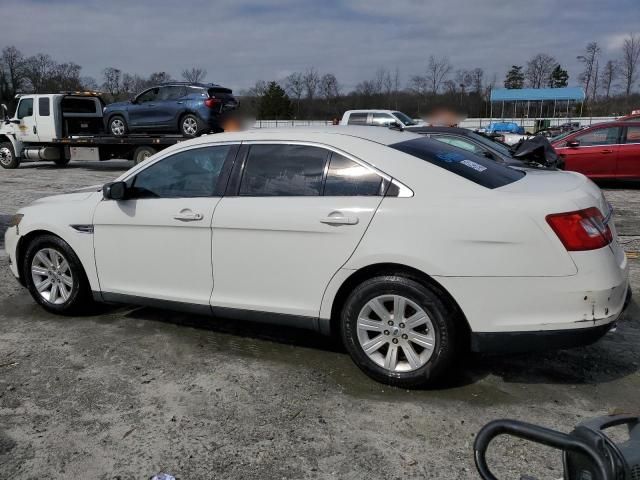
pixel 239 42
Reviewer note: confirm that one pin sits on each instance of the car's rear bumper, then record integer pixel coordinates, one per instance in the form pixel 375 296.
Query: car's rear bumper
pixel 519 342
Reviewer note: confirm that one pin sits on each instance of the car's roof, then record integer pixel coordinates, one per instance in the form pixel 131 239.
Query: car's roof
pixel 381 135
pixel 367 110
pixel 190 84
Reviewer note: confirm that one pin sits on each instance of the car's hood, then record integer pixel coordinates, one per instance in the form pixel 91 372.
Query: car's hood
pixel 117 105
pixel 74 197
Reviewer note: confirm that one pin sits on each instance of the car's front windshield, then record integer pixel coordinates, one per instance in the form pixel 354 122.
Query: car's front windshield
pixel 404 118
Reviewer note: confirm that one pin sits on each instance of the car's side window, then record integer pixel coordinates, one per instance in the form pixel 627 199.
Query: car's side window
pixel 382 119
pixel 348 178
pixel 633 135
pixel 25 109
pixel 188 174
pixel 358 119
pixel 44 107
pixel 149 95
pixel 172 93
pixel 283 170
pixel 599 136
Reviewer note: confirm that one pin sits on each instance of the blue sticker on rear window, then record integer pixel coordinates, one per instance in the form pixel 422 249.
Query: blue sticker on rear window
pixel 450 157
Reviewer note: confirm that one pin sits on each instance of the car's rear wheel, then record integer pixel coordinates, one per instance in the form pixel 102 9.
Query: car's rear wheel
pixel 399 331
pixel 118 126
pixel 55 277
pixel 142 153
pixel 190 126
pixel 8 157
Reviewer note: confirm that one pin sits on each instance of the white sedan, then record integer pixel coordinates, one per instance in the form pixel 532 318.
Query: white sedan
pixel 412 250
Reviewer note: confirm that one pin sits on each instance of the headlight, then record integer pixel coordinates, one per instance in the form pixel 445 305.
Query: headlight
pixel 15 220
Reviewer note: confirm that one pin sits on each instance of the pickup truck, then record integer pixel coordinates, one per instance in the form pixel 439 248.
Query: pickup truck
pixel 68 126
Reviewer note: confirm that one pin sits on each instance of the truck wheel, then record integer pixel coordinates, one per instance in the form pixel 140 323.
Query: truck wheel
pixel 62 162
pixel 117 126
pixel 8 157
pixel 142 153
pixel 190 126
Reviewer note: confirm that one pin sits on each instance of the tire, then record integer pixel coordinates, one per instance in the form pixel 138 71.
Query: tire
pixel 142 153
pixel 62 162
pixel 191 126
pixel 414 364
pixel 8 157
pixel 117 126
pixel 67 291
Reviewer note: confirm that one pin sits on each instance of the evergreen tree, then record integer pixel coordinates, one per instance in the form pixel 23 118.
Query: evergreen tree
pixel 514 78
pixel 559 78
pixel 275 103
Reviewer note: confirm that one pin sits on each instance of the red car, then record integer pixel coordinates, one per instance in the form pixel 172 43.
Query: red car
pixel 605 150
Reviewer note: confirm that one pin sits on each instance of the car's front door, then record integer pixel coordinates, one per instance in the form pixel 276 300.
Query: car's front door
pixel 26 128
pixel 596 153
pixel 297 215
pixel 142 112
pixel 157 243
pixel 629 153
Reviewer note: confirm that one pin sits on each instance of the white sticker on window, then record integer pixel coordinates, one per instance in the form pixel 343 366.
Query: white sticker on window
pixel 474 165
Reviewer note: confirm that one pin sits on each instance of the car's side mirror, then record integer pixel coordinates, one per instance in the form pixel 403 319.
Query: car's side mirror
pixel 396 125
pixel 573 143
pixel 133 100
pixel 114 191
pixel 489 155
pixel 15 121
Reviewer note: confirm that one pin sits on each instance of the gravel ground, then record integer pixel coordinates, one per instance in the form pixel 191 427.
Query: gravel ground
pixel 133 392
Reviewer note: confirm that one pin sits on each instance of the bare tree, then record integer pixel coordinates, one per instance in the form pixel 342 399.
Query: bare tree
pixel 258 89
pixel 589 60
pixel 311 80
pixel 329 88
pixel 38 69
pixel 596 77
pixel 629 62
pixel 89 83
pixel 194 74
pixel 437 71
pixel 111 83
pixel 12 63
pixel 294 86
pixel 418 84
pixel 477 76
pixel 64 77
pixel 159 77
pixel 539 69
pixel 609 74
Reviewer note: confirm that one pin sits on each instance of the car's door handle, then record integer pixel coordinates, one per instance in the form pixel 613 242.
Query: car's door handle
pixel 339 220
pixel 606 151
pixel 179 103
pixel 188 216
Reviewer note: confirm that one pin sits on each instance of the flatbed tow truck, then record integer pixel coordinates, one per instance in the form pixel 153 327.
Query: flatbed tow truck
pixel 68 126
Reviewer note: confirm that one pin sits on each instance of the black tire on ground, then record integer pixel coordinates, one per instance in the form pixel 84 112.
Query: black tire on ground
pixel 62 161
pixel 445 331
pixel 191 126
pixel 8 158
pixel 52 267
pixel 117 126
pixel 142 153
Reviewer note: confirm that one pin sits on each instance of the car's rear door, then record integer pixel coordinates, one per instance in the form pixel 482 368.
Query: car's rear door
pixel 597 153
pixel 157 243
pixel 292 216
pixel 629 153
pixel 170 105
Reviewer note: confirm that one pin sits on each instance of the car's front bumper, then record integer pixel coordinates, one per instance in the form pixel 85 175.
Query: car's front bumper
pixel 11 238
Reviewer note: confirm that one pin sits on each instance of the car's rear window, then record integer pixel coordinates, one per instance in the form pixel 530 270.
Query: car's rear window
pixel 480 170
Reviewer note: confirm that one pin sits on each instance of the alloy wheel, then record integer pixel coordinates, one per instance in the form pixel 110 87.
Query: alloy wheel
pixel 396 333
pixel 190 126
pixel 52 276
pixel 117 127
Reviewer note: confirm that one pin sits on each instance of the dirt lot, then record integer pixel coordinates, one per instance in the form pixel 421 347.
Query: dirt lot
pixel 133 392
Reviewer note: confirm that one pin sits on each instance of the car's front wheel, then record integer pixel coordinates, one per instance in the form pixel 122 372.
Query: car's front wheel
pixel 8 157
pixel 399 331
pixel 55 277
pixel 117 126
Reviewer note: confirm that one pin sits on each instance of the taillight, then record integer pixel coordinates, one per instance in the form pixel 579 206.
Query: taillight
pixel 212 102
pixel 581 230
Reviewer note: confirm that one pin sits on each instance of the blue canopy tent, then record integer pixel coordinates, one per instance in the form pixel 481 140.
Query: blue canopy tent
pixel 541 95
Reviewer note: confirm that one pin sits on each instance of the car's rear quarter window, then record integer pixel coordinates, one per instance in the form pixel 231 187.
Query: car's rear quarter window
pixel 480 170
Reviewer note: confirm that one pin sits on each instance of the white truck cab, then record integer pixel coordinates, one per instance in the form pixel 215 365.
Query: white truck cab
pixel 377 118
